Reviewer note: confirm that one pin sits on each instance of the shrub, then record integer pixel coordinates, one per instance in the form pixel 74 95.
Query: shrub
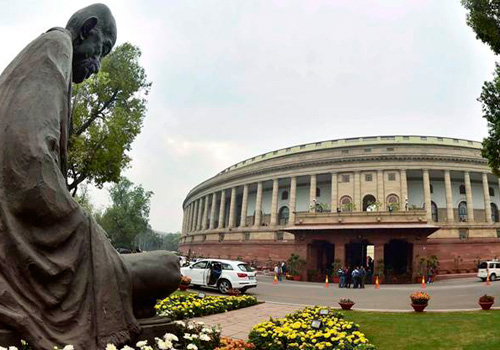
pixel 296 331
pixel 420 298
pixel 182 306
pixel 487 299
pixel 234 344
pixel 346 301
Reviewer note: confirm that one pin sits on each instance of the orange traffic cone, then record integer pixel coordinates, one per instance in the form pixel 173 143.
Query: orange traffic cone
pixel 488 277
pixel 275 279
pixel 326 281
pixel 423 282
pixel 377 283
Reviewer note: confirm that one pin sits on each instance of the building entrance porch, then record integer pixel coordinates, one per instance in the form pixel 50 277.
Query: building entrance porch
pixel 390 251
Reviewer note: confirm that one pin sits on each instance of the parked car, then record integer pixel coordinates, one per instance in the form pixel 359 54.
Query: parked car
pixel 221 274
pixel 492 267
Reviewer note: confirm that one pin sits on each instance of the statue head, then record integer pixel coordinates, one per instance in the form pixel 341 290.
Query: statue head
pixel 93 30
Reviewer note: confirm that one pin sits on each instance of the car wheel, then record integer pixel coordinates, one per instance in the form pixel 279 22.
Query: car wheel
pixel 223 286
pixel 493 277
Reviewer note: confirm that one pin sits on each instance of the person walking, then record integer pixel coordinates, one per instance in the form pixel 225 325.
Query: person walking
pixel 348 277
pixel 362 276
pixel 341 274
pixel 355 277
pixel 277 272
pixel 283 269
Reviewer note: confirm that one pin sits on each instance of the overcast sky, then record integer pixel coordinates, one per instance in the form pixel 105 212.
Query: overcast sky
pixel 236 78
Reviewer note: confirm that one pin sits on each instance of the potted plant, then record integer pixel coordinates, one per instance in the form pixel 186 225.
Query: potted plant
pixel 295 266
pixel 184 283
pixel 346 303
pixel 486 301
pixel 419 301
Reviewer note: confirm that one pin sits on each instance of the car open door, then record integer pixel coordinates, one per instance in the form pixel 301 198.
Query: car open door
pixel 197 273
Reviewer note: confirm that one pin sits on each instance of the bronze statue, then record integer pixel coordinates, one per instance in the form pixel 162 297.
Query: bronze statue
pixel 61 281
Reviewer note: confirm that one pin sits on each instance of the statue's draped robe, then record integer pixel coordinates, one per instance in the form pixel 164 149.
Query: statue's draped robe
pixel 61 281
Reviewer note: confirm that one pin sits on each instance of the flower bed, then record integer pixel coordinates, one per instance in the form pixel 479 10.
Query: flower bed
pixel 234 344
pixel 179 307
pixel 296 331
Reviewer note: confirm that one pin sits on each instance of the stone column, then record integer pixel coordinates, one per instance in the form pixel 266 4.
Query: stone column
pixel 404 190
pixel 340 252
pixel 312 192
pixel 380 189
pixel 222 209
pixel 357 191
pixel 258 205
pixel 212 211
pixel 244 207
pixel 195 216
pixel 232 209
pixel 449 197
pixel 334 194
pixel 468 196
pixel 205 214
pixel 427 194
pixel 487 199
pixel 200 214
pixel 274 203
pixel 184 220
pixel 379 256
pixel 191 217
pixel 293 199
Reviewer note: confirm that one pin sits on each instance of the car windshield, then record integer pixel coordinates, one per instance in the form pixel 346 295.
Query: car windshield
pixel 482 265
pixel 245 267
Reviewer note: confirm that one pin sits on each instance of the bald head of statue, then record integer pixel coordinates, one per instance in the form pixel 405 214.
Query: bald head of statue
pixel 93 30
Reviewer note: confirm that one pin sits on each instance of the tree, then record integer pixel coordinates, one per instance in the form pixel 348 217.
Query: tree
pixel 128 215
pixel 484 18
pixel 108 111
pixel 152 240
pixel 490 100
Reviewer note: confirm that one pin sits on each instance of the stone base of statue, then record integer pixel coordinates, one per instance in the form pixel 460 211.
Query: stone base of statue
pixel 151 328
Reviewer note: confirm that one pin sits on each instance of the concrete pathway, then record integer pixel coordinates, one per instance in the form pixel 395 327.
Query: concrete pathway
pixel 238 323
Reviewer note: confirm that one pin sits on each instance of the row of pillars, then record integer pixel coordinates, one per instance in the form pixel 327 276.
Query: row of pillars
pixel 196 214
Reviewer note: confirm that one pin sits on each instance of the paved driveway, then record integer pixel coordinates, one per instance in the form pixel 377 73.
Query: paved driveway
pixel 452 294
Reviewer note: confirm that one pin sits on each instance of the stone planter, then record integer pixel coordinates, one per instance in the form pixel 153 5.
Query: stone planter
pixel 183 287
pixel 419 307
pixel 486 305
pixel 346 306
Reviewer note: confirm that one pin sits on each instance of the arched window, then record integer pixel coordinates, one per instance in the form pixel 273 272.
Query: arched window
pixel 462 211
pixel 284 195
pixel 368 203
pixel 392 202
pixel 432 188
pixel 462 189
pixel 434 212
pixel 494 212
pixel 283 215
pixel 491 191
pixel 318 192
pixel 346 203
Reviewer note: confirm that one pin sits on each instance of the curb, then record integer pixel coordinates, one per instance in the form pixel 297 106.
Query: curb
pixel 388 310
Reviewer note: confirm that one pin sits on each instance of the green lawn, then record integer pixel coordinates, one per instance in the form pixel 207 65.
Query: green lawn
pixel 430 331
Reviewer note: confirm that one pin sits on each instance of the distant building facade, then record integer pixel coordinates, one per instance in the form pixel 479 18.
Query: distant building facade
pixel 397 199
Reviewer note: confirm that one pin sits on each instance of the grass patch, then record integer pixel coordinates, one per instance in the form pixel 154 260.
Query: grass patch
pixel 430 331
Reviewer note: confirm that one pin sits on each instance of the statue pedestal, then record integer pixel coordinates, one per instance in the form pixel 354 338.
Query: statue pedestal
pixel 151 328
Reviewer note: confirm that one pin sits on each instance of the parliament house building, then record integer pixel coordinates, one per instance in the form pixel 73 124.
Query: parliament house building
pixel 396 199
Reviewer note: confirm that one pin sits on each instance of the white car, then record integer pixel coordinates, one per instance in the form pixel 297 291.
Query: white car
pixel 221 274
pixel 492 267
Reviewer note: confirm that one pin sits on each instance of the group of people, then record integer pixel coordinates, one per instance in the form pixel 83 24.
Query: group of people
pixel 280 270
pixel 353 276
